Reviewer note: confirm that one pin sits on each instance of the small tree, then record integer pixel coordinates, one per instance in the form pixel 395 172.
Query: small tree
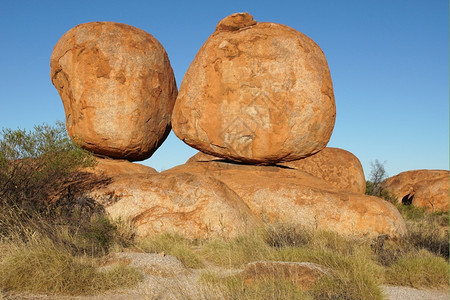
pixel 35 167
pixel 34 164
pixel 377 176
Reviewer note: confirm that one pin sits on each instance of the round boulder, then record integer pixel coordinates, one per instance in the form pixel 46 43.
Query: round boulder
pixel 117 88
pixel 258 93
pixel 337 166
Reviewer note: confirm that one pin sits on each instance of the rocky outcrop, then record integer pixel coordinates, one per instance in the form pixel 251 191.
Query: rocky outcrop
pixel 194 205
pixel 258 93
pixel 117 87
pixel 423 188
pixel 336 166
pixel 288 196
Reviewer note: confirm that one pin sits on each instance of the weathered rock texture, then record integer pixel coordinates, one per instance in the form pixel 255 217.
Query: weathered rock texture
pixel 256 92
pixel 423 188
pixel 336 166
pixel 289 196
pixel 193 205
pixel 117 87
pixel 114 168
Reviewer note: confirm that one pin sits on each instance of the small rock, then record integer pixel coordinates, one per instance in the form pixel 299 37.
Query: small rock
pixel 303 274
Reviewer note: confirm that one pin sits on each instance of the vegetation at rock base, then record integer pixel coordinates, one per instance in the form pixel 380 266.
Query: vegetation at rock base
pixel 51 235
pixel 52 238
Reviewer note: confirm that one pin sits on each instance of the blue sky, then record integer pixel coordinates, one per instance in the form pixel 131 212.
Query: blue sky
pixel 389 61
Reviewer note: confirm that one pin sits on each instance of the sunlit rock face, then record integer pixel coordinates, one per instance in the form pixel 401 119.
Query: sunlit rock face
pixel 117 87
pixel 258 93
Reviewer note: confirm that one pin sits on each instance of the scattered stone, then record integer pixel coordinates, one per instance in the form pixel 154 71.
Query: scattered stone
pixel 303 274
pixel 422 188
pixel 117 87
pixel 259 93
pixel 278 194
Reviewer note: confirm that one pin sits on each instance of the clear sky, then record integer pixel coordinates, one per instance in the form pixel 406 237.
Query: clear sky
pixel 389 61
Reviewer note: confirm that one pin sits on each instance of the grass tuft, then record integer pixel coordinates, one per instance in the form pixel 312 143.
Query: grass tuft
pixel 43 267
pixel 420 269
pixel 172 244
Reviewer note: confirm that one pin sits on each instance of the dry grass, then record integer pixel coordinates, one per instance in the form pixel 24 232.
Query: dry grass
pixel 233 287
pixel 41 266
pixel 62 259
pixel 419 269
pixel 172 244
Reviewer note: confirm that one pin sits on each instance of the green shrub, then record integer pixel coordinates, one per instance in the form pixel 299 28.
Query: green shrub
pixel 35 168
pixel 34 165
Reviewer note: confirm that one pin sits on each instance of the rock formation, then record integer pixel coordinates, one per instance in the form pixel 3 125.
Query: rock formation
pixel 194 205
pixel 423 188
pixel 336 166
pixel 117 87
pixel 113 168
pixel 289 196
pixel 258 93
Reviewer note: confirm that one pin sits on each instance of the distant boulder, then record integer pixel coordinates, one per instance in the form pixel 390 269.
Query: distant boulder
pixel 422 188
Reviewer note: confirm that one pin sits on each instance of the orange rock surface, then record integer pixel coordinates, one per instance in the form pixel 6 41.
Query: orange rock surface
pixel 115 168
pixel 259 93
pixel 117 87
pixel 423 188
pixel 336 166
pixel 289 196
pixel 193 205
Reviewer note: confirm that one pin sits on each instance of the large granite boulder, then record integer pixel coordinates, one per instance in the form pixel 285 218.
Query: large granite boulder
pixel 289 196
pixel 423 188
pixel 117 87
pixel 259 93
pixel 193 205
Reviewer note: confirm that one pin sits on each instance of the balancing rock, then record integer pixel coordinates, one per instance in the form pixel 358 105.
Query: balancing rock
pixel 258 93
pixel 117 87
